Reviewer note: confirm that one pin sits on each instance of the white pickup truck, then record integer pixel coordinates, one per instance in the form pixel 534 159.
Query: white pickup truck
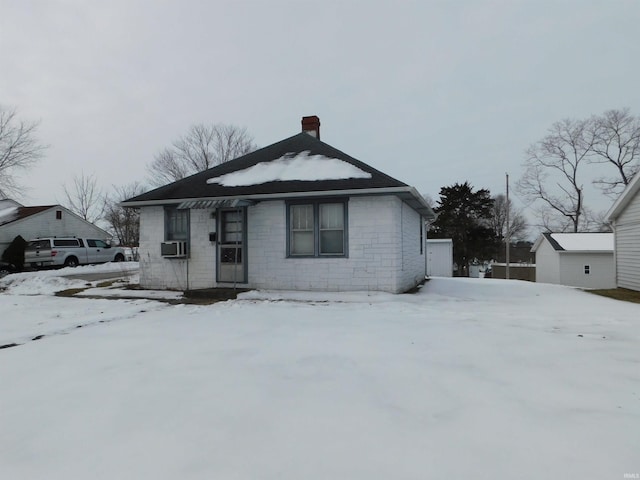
pixel 70 252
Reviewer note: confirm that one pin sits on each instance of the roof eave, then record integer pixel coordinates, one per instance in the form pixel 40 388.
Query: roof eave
pixel 408 194
pixel 624 198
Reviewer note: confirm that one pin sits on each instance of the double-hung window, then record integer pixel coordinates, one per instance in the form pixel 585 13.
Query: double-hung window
pixel 317 229
pixel 176 224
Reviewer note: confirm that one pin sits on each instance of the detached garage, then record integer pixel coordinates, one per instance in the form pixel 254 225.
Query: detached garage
pixel 582 260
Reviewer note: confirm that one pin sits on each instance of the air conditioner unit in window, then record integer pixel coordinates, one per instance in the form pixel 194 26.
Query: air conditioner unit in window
pixel 173 249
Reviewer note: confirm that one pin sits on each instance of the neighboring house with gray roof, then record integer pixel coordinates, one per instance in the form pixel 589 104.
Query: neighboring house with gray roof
pixel 42 221
pixel 576 259
pixel 624 217
pixel 296 215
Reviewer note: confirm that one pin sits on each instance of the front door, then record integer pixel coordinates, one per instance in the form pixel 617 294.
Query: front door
pixel 231 251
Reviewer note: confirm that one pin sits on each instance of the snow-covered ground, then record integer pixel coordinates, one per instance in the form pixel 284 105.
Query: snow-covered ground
pixel 469 378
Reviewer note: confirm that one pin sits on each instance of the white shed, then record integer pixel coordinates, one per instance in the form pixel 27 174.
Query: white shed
pixel 576 259
pixel 439 257
pixel 624 217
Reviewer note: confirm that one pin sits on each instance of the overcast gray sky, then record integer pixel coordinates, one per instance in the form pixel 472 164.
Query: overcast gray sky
pixel 429 92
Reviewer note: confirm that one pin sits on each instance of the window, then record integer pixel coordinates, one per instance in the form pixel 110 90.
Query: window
pixel 302 230
pixel 67 243
pixel 317 229
pixel 96 243
pixel 58 214
pixel 176 224
pixel 587 269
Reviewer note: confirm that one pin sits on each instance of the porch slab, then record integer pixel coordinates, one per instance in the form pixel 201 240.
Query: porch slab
pixel 215 293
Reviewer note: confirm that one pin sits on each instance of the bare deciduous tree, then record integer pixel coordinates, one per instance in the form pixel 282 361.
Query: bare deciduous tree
pixel 85 198
pixel 124 222
pixel 201 148
pixel 517 223
pixel 19 149
pixel 551 171
pixel 616 135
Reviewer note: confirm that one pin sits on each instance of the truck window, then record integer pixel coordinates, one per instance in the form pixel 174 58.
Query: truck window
pixel 66 242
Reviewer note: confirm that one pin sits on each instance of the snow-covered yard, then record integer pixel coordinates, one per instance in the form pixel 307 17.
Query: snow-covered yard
pixel 469 378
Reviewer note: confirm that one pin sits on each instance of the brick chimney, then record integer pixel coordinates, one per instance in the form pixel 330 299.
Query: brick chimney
pixel 311 125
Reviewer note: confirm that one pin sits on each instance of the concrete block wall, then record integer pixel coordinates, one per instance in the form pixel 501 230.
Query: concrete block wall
pixel 202 266
pixel 157 272
pixel 383 248
pixel 413 266
pixel 374 240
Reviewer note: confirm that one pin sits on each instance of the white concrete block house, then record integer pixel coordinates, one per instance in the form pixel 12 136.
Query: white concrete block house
pixel 624 217
pixel 42 221
pixel 296 215
pixel 582 260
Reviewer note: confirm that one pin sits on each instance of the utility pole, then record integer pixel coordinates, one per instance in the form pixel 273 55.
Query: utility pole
pixel 508 234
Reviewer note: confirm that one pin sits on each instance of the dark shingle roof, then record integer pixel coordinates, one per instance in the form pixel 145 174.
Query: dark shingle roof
pixel 556 246
pixel 196 186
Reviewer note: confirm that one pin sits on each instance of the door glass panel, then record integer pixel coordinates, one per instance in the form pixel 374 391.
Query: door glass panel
pixel 231 255
pixel 231 227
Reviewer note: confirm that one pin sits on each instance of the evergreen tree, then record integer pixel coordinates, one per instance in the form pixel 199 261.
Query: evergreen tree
pixel 14 253
pixel 465 217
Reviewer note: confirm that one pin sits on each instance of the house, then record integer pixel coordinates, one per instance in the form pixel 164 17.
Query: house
pixel 576 259
pixel 296 215
pixel 42 221
pixel 624 217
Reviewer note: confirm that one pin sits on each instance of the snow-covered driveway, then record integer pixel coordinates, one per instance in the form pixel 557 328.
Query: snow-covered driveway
pixel 482 379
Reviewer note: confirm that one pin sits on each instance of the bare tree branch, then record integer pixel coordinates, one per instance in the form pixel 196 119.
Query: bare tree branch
pixel 517 224
pixel 124 222
pixel 551 171
pixel 85 198
pixel 617 143
pixel 201 148
pixel 19 149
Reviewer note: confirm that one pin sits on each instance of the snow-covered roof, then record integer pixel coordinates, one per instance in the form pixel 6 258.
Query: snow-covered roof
pixel 291 167
pixel 298 165
pixel 8 214
pixel 578 242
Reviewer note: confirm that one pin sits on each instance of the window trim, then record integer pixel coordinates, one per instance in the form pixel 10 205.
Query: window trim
pixel 315 203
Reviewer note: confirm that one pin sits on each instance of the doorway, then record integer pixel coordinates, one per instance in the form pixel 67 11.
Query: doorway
pixel 232 266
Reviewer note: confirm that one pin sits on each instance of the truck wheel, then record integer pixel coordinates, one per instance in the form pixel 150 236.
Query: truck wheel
pixel 71 262
pixel 119 258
